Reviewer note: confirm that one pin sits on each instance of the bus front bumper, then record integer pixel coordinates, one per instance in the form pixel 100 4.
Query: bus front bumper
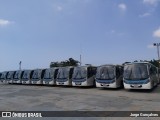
pixel 137 86
pixel 84 83
pixel 106 85
pixel 26 82
pixel 48 82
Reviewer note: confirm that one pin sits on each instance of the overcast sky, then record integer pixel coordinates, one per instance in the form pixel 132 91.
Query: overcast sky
pixel 37 32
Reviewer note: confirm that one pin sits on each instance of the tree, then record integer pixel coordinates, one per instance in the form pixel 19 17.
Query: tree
pixel 72 62
pixel 154 62
pixel 69 62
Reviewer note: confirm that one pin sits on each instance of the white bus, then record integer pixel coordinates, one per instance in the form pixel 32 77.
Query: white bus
pixel 84 76
pixel 9 77
pixel 158 75
pixel 3 76
pixel 37 77
pixel 0 76
pixel 26 77
pixel 64 75
pixel 50 76
pixel 109 76
pixel 140 75
pixel 17 78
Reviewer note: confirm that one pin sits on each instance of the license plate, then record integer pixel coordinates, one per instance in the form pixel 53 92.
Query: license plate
pixel 78 83
pixel 34 82
pixel 106 85
pixel 61 83
pixel 46 82
pixel 135 86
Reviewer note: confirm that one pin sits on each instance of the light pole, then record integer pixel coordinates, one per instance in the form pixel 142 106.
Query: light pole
pixel 80 55
pixel 20 65
pixel 80 60
pixel 157 44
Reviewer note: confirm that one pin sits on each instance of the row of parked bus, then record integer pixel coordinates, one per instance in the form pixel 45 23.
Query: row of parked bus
pixel 137 75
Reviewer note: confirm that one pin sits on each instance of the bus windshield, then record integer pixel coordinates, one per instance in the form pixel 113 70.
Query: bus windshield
pixel 136 71
pixel 80 73
pixel 63 73
pixel 10 75
pixel 106 73
pixel 25 75
pixel 47 74
pixel 3 75
pixel 16 75
pixel 35 75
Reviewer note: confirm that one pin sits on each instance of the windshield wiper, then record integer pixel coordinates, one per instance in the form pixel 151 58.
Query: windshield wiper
pixel 108 74
pixel 130 75
pixel 76 75
pixel 140 72
pixel 80 74
pixel 63 75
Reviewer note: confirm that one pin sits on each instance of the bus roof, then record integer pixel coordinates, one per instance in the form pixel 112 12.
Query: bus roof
pixel 109 65
pixel 86 66
pixel 139 63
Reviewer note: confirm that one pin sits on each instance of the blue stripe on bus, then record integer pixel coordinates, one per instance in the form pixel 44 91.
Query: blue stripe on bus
pixel 62 80
pixel 136 81
pixel 105 81
pixel 78 80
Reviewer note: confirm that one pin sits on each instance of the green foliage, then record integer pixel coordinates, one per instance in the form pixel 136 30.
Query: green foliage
pixel 155 62
pixel 69 62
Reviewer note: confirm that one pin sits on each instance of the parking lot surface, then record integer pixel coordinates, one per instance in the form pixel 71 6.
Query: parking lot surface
pixel 56 98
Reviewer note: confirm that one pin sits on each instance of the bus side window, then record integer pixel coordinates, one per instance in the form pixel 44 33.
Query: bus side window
pixel 152 71
pixel 94 70
pixel 42 74
pixel 91 72
pixel 31 74
pixel 55 73
pixel 22 74
pixel 70 73
pixel 117 72
pixel 88 72
pixel 121 70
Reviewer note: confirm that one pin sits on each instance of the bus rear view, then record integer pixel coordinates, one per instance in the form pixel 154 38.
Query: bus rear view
pixel 140 75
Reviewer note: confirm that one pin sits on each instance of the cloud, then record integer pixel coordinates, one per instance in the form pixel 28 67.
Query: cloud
pixel 151 2
pixel 122 7
pixel 59 8
pixel 145 15
pixel 113 31
pixel 150 46
pixel 156 33
pixel 4 22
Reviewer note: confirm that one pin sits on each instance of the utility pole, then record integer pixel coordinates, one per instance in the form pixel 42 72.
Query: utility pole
pixel 157 45
pixel 20 65
pixel 80 60
pixel 80 54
